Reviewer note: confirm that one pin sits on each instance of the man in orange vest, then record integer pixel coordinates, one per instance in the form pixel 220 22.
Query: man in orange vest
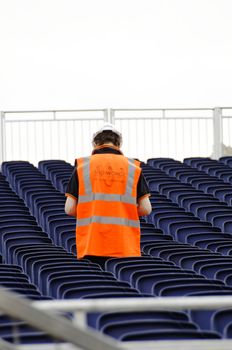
pixel 107 193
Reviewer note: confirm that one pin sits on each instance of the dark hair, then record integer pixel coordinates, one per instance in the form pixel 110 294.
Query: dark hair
pixel 107 136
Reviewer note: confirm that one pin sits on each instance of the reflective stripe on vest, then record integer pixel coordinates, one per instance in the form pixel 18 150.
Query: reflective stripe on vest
pixel 106 197
pixel 86 176
pixel 108 220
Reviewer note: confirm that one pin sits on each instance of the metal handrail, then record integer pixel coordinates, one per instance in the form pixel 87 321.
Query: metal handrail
pixel 136 304
pixel 162 109
pixel 56 326
pixel 39 315
pixel 42 129
pixel 57 110
pixel 6 345
pixel 164 129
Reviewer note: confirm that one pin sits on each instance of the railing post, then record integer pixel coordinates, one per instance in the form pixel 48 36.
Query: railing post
pixel 2 138
pixel 217 132
pixel 112 116
pixel 106 115
pixel 80 319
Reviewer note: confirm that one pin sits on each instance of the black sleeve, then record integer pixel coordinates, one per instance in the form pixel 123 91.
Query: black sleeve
pixel 142 187
pixel 73 185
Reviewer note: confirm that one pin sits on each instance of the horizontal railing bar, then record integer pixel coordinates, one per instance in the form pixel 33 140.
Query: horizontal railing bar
pixel 161 109
pixel 216 344
pixel 6 345
pixel 163 118
pixel 46 346
pixel 58 327
pixel 50 120
pixel 119 110
pixel 58 111
pixel 117 118
pixel 137 304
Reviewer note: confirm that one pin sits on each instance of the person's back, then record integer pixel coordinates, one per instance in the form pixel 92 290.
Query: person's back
pixel 111 194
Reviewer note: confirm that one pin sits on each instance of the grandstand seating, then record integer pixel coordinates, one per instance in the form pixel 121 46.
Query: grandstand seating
pixel 186 245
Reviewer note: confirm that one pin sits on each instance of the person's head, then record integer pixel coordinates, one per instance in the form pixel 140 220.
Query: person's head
pixel 108 134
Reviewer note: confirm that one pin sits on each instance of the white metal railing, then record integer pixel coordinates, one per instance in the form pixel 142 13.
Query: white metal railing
pixel 43 316
pixel 136 304
pixel 40 314
pixel 175 133
pixel 56 326
pixel 147 133
pixel 226 127
pixel 56 134
pixel 81 307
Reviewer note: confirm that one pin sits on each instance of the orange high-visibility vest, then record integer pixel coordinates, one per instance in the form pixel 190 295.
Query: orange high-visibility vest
pixel 107 216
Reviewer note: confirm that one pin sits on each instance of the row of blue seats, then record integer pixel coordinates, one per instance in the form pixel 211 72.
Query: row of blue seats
pixel 167 238
pixel 57 171
pixel 54 171
pixel 54 280
pixel 146 236
pixel 160 238
pixel 56 273
pixel 45 203
pixel 147 325
pixel 203 235
pixel 14 214
pixel 215 175
pixel 207 175
pixel 63 284
pixel 221 168
pixel 189 229
pixel 186 225
pixel 201 204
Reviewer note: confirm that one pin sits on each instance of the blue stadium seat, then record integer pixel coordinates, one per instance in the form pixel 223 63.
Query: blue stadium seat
pixel 169 335
pixel 197 261
pixel 96 290
pixel 220 320
pixel 198 237
pixel 121 328
pixel 147 282
pixel 56 286
pixel 126 271
pixel 98 321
